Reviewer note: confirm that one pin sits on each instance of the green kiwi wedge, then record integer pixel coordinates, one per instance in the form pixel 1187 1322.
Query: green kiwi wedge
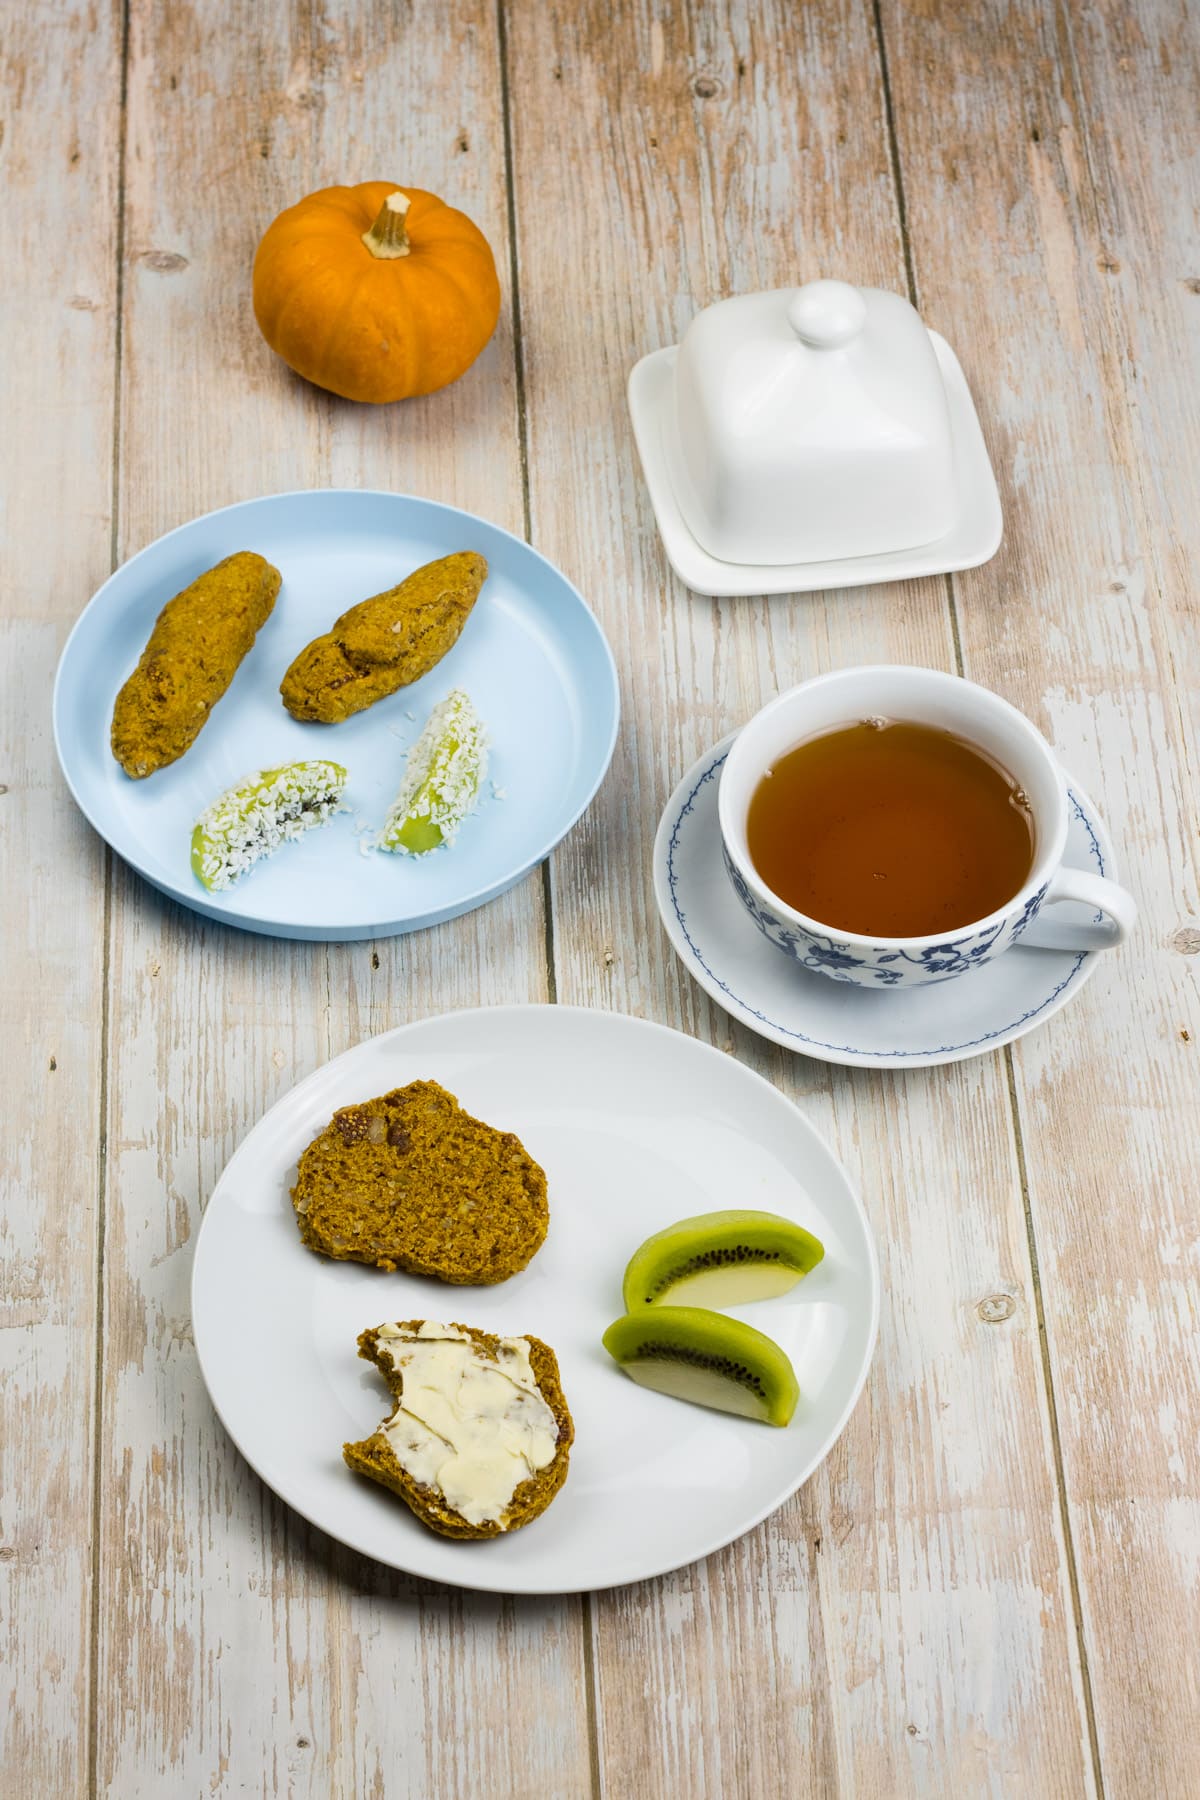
pixel 702 1356
pixel 720 1259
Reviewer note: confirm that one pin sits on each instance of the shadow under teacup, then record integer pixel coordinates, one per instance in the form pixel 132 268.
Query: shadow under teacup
pixel 975 716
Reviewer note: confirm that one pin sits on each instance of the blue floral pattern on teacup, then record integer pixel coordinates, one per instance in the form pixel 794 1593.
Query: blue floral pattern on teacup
pixel 882 965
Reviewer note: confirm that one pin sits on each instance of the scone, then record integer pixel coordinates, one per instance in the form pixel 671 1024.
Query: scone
pixel 199 641
pixel 385 643
pixel 411 1181
pixel 479 1438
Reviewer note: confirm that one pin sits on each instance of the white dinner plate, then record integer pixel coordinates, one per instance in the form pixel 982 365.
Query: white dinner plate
pixel 636 1126
pixel 531 655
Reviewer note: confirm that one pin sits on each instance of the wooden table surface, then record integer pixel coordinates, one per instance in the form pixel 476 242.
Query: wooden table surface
pixel 992 1585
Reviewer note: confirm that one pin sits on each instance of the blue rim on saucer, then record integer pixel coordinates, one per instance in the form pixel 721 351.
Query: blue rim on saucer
pixel 532 656
pixel 833 1021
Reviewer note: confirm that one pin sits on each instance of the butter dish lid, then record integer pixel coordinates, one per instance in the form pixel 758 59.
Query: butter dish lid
pixel 811 423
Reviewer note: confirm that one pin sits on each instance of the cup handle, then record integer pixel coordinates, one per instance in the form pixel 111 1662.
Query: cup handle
pixel 1119 909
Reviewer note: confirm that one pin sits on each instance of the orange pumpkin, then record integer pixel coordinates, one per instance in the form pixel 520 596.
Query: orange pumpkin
pixel 374 292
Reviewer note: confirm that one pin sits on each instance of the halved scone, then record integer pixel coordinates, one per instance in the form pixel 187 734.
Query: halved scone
pixel 411 1181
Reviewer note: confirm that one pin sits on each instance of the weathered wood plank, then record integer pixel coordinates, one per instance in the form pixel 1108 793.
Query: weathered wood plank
pixel 905 1625
pixel 60 94
pixel 241 1651
pixel 1062 142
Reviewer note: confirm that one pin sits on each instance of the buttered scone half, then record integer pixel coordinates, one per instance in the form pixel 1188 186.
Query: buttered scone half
pixel 479 1435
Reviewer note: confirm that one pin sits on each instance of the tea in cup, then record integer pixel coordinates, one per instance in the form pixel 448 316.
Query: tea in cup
pixel 894 826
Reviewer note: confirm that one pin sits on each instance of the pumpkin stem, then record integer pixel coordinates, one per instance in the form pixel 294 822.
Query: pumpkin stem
pixel 388 236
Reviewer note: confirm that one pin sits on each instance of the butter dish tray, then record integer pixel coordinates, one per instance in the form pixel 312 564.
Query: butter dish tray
pixel 973 538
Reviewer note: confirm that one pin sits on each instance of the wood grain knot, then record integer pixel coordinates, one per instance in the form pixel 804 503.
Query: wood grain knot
pixel 1186 940
pixel 706 87
pixel 163 262
pixel 996 1308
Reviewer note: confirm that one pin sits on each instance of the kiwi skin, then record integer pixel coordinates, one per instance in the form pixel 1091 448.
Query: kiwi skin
pixel 741 1256
pixel 741 1370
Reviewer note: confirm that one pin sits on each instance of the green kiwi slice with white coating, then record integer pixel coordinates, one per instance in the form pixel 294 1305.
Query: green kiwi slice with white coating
pixel 442 778
pixel 702 1356
pixel 262 812
pixel 720 1259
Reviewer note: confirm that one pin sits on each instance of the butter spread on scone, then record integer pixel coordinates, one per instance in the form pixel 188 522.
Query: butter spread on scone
pixel 474 1427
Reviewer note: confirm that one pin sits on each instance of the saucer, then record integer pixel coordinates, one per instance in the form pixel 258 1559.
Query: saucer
pixel 974 539
pixel 832 1020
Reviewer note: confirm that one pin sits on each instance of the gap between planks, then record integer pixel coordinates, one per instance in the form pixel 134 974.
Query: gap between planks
pixel 586 1623
pixel 93 1715
pixel 514 280
pixel 910 274
pixel 1052 1409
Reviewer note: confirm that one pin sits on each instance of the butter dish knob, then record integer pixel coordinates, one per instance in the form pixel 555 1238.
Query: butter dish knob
pixel 827 314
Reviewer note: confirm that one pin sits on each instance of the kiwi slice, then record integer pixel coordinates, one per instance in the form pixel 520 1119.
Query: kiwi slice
pixel 720 1259
pixel 699 1355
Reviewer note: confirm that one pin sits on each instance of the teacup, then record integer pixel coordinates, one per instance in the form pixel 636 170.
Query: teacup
pixel 975 715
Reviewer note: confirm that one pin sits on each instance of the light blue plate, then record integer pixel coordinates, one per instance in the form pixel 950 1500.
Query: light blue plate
pixel 532 657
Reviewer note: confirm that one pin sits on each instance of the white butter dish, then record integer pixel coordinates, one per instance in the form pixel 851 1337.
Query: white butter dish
pixel 811 423
pixel 746 449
